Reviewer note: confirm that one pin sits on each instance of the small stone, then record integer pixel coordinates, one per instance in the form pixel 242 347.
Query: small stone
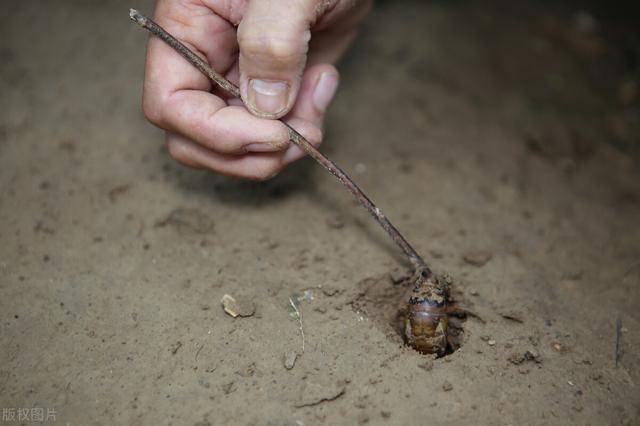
pixel 290 359
pixel 446 386
pixel 329 291
pixel 516 358
pixel 238 308
pixel 477 257
pixel 491 342
pixel 533 355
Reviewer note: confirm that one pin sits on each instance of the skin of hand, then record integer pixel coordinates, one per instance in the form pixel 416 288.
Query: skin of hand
pixel 281 55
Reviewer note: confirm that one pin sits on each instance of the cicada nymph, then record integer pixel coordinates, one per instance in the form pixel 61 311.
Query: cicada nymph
pixel 425 317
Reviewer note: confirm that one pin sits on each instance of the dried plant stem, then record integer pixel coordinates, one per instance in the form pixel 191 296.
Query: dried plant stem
pixel 618 346
pixel 295 137
pixel 299 315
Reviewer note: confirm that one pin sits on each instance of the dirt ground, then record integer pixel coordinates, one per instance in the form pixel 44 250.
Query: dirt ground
pixel 502 140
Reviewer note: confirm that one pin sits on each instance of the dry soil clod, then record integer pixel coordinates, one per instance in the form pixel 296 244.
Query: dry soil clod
pixel 290 359
pixel 477 257
pixel 518 358
pixel 237 308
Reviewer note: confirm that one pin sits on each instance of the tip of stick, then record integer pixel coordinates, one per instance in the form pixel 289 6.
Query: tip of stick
pixel 137 17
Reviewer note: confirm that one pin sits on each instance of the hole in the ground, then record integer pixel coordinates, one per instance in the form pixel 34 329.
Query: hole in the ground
pixel 383 300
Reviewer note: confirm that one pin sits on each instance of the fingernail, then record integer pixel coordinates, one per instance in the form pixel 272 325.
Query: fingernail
pixel 324 91
pixel 266 97
pixel 262 147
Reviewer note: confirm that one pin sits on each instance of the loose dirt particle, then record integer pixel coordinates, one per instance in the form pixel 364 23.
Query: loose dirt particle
pixel 175 347
pixel 290 359
pixel 427 365
pixel 228 388
pixel 329 291
pixel 518 358
pixel 187 221
pixel 477 257
pixel 238 308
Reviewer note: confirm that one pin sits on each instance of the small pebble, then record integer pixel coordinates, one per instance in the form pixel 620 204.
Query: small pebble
pixel 477 257
pixel 237 308
pixel 290 359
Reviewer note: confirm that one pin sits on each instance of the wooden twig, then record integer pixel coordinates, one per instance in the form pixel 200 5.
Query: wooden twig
pixel 294 136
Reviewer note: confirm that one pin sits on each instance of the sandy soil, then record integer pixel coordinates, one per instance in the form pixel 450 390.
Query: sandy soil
pixel 510 131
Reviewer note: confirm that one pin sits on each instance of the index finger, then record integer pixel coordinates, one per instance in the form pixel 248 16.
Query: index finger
pixel 166 72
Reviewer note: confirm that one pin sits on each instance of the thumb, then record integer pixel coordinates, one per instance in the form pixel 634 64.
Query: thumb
pixel 274 39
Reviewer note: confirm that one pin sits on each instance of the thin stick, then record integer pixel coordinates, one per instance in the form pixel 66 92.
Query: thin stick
pixel 295 308
pixel 618 347
pixel 294 136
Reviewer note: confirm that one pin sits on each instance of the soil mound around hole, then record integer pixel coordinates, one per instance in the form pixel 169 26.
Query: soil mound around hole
pixel 383 300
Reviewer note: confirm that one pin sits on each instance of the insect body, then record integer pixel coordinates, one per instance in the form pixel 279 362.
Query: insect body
pixel 426 321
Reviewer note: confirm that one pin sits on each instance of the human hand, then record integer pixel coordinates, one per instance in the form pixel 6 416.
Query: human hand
pixel 281 55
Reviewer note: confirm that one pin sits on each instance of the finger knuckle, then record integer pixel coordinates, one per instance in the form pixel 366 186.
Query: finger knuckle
pixel 280 48
pixel 314 135
pixel 152 111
